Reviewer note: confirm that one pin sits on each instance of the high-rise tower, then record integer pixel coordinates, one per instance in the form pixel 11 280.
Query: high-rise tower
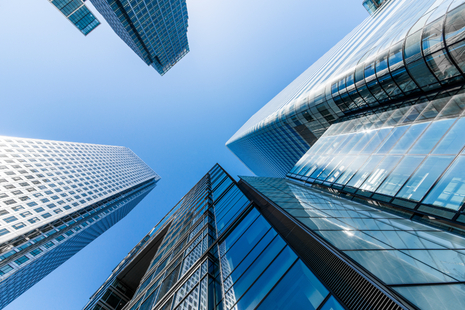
pixel 275 244
pixel 55 198
pixel 155 30
pixel 406 53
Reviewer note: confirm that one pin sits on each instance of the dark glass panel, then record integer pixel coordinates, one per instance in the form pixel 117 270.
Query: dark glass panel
pixel 432 37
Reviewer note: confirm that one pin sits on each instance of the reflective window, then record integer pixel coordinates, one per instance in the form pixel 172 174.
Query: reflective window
pixel 449 192
pixel 424 177
pixel 351 169
pixel 299 289
pixel 453 141
pixel 394 136
pixel 399 175
pixel 431 136
pixel 365 171
pixel 409 138
pixel 378 175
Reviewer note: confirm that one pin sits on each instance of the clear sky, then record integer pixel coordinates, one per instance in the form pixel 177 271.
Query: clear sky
pixel 57 84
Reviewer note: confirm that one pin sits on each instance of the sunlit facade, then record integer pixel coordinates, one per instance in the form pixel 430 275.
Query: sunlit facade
pixel 55 198
pixel 272 243
pixel 407 52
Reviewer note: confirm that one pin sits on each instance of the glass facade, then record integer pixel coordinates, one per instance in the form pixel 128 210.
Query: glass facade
pixel 78 14
pixel 423 264
pixel 410 157
pixel 155 30
pixel 406 52
pixel 55 198
pixel 215 250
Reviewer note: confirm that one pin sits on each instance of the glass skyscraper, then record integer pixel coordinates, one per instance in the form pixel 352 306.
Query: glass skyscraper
pixel 55 198
pixel 155 30
pixel 406 53
pixel 272 243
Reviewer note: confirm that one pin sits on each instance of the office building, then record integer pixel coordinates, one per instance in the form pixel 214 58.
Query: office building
pixel 272 243
pixel 406 53
pixel 155 30
pixel 55 198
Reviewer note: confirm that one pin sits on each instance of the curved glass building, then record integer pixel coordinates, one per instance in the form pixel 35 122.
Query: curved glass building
pixel 405 53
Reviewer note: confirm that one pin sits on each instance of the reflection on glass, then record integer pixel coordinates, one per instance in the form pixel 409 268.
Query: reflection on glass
pixel 377 139
pixel 449 192
pixel 393 137
pixel 431 136
pixel 330 167
pixel 299 289
pixel 336 173
pixel 401 173
pixel 332 304
pixel 365 171
pixel 380 173
pixel 362 142
pixel 454 140
pixel 424 177
pixel 408 138
pixel 351 169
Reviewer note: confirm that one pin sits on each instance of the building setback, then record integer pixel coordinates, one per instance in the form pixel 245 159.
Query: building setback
pixel 155 30
pixel 272 243
pixel 55 198
pixel 405 53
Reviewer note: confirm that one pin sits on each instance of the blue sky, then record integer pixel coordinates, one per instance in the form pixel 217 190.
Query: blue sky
pixel 57 84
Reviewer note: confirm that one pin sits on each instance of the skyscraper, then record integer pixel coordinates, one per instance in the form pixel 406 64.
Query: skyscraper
pixel 55 198
pixel 405 53
pixel 155 30
pixel 272 243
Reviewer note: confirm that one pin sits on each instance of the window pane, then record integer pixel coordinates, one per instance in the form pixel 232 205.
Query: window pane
pixel 453 141
pixel 299 289
pixel 332 304
pixel 393 137
pixel 351 169
pixel 267 280
pixel 424 177
pixel 401 173
pixel 380 173
pixel 449 192
pixel 431 136
pixel 365 171
pixel 336 173
pixel 239 230
pixel 409 138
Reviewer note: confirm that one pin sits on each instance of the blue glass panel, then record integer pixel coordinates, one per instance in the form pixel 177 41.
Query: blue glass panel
pixel 299 289
pixel 399 175
pixel 433 297
pixel 381 171
pixel 251 236
pixel 377 139
pixel 394 136
pixel 424 177
pixel 453 141
pixel 336 173
pixel 236 272
pixel 351 169
pixel 395 267
pixel 365 171
pixel 431 136
pixel 267 280
pixel 409 138
pixel 449 192
pixel 362 142
pixel 332 304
